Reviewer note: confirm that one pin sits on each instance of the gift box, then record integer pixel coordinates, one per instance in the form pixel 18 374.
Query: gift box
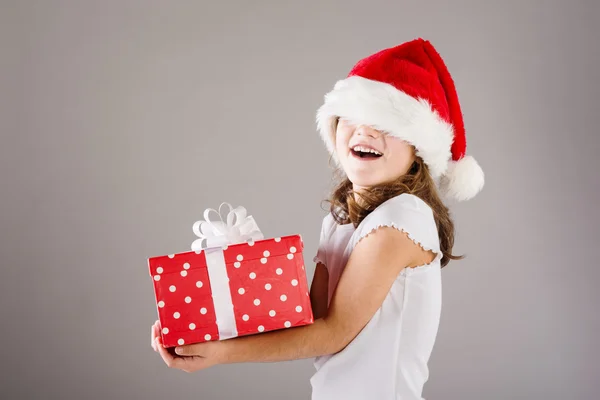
pixel 232 283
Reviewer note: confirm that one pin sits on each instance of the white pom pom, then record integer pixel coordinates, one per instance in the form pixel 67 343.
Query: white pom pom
pixel 463 179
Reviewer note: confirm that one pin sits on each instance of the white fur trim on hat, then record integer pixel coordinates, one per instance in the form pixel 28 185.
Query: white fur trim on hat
pixel 463 179
pixel 382 106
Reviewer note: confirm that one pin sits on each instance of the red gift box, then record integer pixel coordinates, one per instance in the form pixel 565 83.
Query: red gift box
pixel 232 290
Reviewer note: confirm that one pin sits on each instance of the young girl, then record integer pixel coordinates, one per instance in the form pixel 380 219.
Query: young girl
pixel 394 127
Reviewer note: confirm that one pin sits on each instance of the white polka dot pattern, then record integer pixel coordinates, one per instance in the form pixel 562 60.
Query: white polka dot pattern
pixel 267 282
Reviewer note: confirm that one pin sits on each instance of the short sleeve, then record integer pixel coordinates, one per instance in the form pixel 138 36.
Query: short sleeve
pixel 407 213
pixel 326 226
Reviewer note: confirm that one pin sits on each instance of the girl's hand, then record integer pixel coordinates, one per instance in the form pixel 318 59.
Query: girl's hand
pixel 154 334
pixel 190 358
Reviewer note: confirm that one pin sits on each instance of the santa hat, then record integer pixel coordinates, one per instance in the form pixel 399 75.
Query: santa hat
pixel 407 92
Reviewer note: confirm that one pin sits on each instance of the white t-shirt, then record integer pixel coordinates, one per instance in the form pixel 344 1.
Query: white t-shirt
pixel 388 358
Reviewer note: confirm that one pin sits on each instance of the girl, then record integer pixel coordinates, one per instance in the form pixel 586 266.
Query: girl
pixel 394 127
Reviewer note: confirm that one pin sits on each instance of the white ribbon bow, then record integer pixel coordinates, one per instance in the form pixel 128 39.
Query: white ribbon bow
pixel 237 228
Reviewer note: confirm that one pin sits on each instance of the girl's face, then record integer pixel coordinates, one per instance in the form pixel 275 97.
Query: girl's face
pixel 370 157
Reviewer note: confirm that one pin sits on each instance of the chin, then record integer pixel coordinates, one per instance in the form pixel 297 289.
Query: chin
pixel 362 181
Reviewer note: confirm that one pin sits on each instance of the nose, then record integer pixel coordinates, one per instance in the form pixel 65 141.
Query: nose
pixel 364 130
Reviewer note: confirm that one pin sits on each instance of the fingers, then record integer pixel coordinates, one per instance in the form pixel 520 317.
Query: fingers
pixel 155 332
pixel 157 329
pixel 189 350
pixel 153 337
pixel 188 363
pixel 171 361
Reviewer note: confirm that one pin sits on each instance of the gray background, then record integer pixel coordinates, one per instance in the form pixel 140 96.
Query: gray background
pixel 122 120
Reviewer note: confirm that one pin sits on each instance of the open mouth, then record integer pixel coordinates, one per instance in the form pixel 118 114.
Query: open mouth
pixel 365 153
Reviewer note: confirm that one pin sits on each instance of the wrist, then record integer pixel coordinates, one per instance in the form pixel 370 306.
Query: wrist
pixel 225 354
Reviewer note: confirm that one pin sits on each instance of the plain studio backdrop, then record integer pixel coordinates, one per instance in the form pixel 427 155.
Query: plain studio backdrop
pixel 121 121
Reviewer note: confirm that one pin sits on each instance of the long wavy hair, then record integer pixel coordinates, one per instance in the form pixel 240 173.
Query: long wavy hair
pixel 417 181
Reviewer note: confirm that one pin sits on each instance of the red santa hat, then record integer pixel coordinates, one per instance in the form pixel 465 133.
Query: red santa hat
pixel 407 92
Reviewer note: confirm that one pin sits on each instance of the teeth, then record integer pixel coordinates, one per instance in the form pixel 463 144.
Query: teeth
pixel 366 150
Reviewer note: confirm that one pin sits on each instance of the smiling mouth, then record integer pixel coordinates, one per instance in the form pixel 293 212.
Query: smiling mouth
pixel 365 154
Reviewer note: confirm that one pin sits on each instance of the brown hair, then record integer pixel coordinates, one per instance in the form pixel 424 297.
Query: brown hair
pixel 417 181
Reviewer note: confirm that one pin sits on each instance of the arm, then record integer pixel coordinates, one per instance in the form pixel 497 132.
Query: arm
pixel 370 272
pixel 319 291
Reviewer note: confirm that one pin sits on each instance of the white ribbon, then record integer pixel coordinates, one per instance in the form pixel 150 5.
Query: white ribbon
pixel 213 235
pixel 237 228
pixel 221 293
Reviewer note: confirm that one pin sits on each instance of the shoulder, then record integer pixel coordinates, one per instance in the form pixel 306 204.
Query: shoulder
pixel 406 213
pixel 399 233
pixel 403 204
pixel 400 210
